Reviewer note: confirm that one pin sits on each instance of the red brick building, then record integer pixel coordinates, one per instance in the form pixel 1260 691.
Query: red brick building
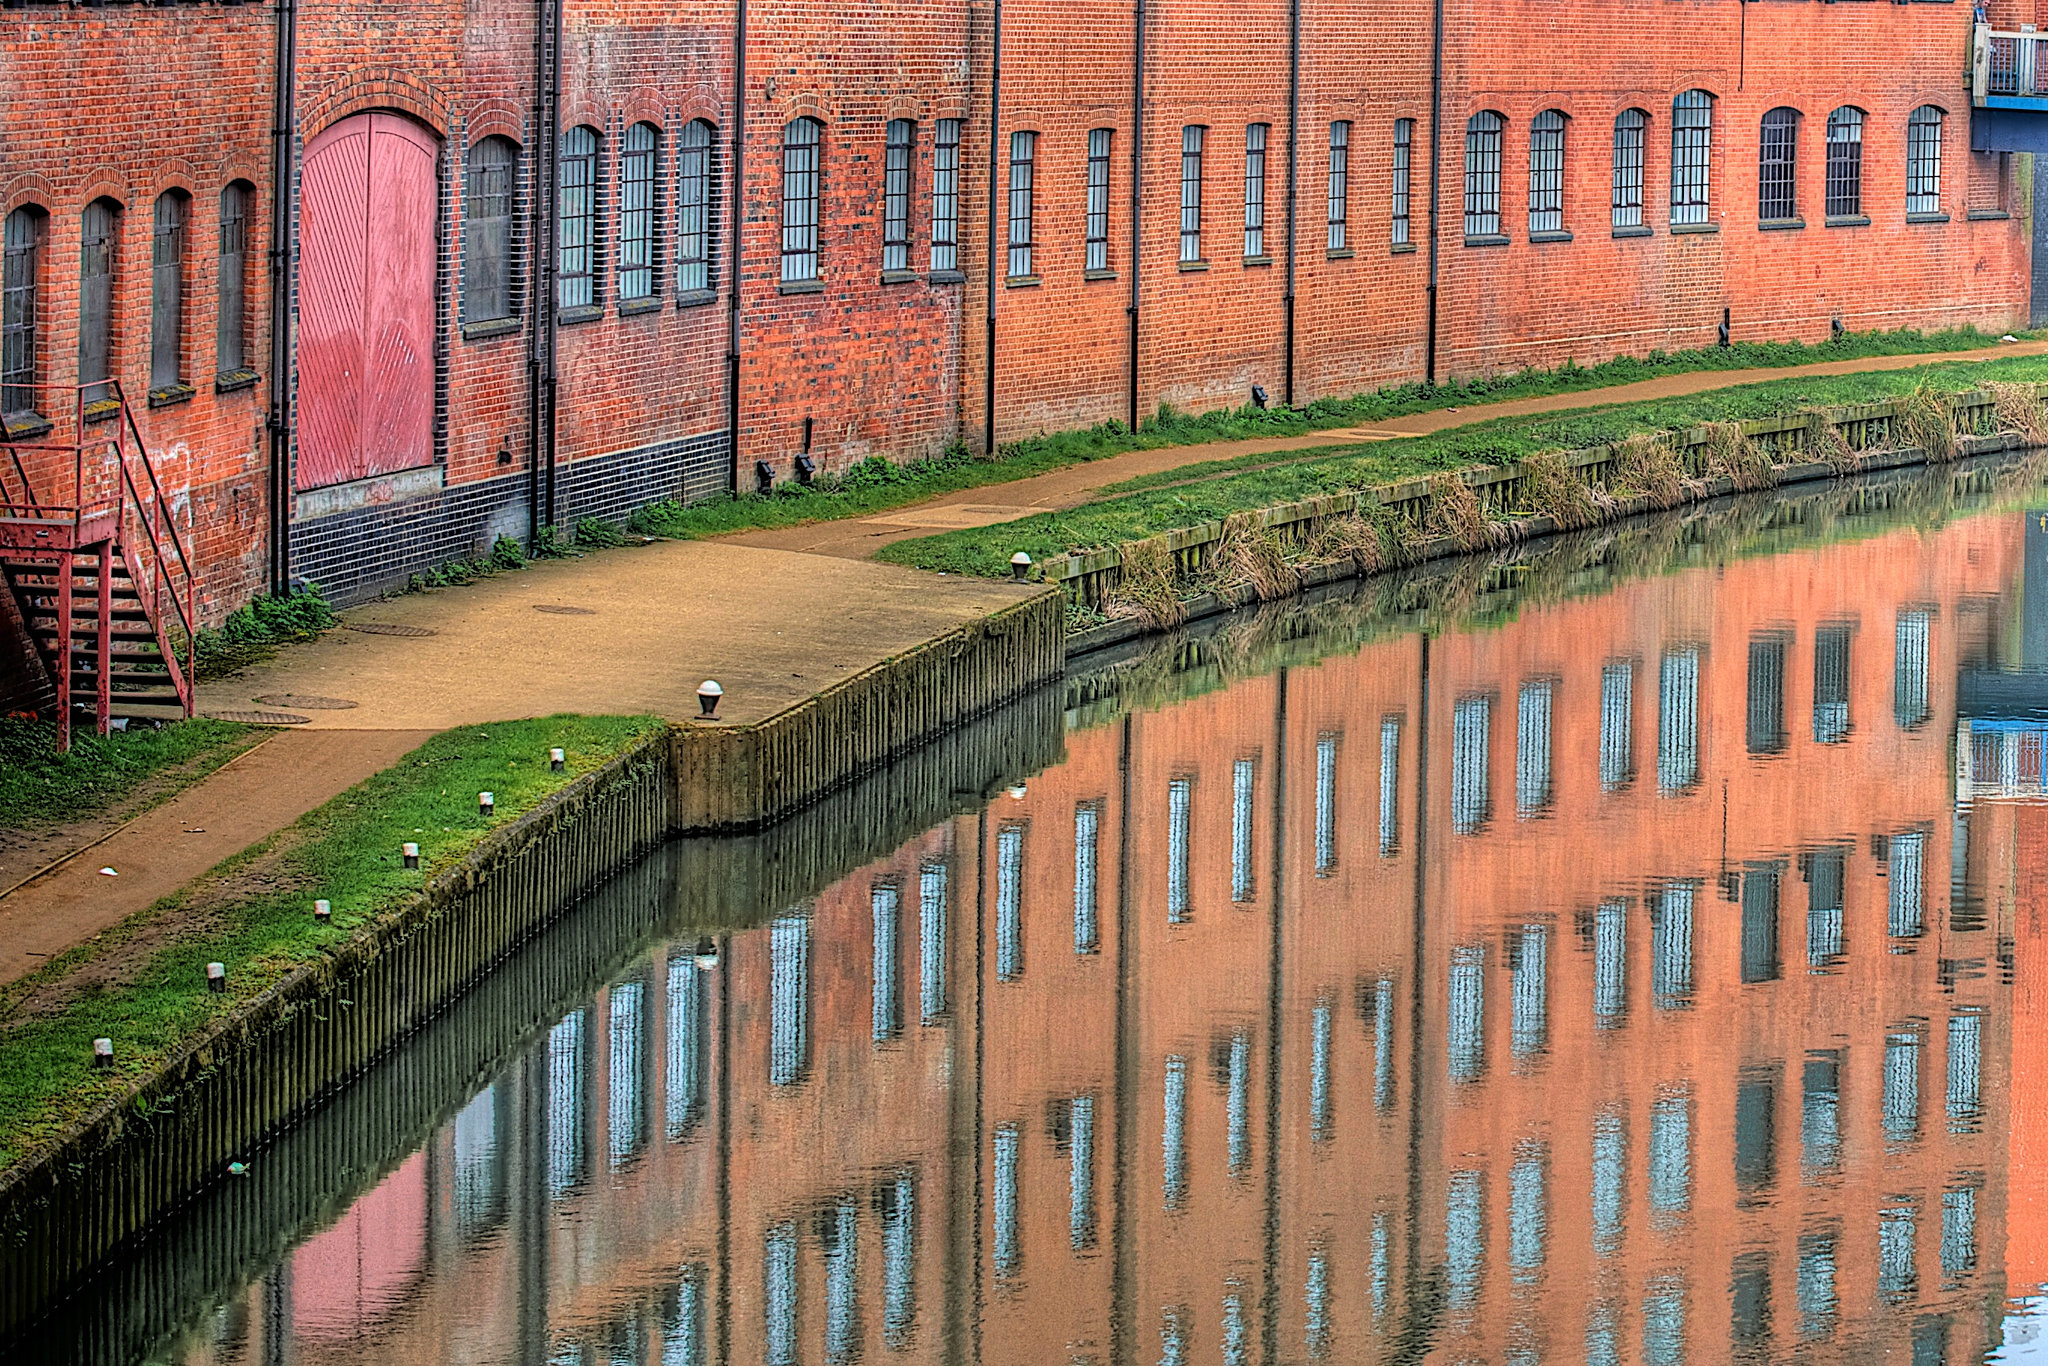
pixel 514 292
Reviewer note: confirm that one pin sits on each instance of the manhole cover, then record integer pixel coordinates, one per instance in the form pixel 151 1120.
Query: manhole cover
pixel 556 609
pixel 260 718
pixel 292 699
pixel 387 628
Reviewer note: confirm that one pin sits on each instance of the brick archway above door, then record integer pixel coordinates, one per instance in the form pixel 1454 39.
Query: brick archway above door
pixel 369 198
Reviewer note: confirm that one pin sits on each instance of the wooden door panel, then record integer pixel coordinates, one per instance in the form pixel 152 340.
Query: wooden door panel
pixel 398 328
pixel 333 226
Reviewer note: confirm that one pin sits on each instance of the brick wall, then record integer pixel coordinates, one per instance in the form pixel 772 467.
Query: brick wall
pixel 866 361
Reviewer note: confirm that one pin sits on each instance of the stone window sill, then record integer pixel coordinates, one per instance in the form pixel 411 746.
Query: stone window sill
pixel 1094 275
pixel 1848 220
pixel 696 298
pixel 1258 260
pixel 629 307
pixel 1935 217
pixel 1636 230
pixel 230 380
pixel 1022 281
pixel 101 409
pixel 1403 248
pixel 170 394
pixel 1678 228
pixel 1554 235
pixel 1987 215
pixel 899 277
pixel 24 424
pixel 947 277
pixel 1341 253
pixel 801 287
pixel 1486 239
pixel 494 327
pixel 582 313
pixel 1780 224
pixel 1188 267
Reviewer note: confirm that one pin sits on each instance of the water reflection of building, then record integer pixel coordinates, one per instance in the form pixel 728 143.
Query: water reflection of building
pixel 1616 985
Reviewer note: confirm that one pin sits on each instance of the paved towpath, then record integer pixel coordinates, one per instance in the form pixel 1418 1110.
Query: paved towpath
pixel 629 631
pixel 861 537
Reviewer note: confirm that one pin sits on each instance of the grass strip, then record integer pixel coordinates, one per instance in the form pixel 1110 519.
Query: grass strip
pixel 39 786
pixel 143 984
pixel 1142 509
pixel 876 485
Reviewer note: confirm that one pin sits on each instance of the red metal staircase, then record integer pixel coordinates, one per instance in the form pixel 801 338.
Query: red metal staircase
pixel 102 583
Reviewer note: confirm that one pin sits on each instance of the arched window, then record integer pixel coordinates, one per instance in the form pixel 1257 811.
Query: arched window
pixel 576 225
pixel 167 294
pixel 1692 131
pixel 20 308
pixel 1546 172
pixel 638 161
pixel 801 144
pixel 1482 174
pixel 231 314
pixel 99 232
pixel 1923 160
pixel 1845 163
pixel 489 218
pixel 693 209
pixel 1628 168
pixel 897 152
pixel 1777 192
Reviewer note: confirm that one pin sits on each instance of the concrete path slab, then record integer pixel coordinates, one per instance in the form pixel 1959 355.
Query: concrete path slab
pixel 625 632
pixel 992 504
pixel 244 800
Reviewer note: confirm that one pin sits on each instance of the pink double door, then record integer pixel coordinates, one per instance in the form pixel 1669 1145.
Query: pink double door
pixel 366 300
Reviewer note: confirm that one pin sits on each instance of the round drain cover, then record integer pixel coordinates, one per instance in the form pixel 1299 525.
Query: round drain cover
pixel 555 609
pixel 260 718
pixel 387 628
pixel 292 699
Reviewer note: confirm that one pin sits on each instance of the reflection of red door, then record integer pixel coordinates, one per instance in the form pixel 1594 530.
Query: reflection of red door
pixel 366 301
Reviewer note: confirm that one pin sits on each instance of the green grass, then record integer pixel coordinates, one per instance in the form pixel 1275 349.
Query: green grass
pixel 875 485
pixel 252 633
pixel 39 786
pixel 346 851
pixel 1149 506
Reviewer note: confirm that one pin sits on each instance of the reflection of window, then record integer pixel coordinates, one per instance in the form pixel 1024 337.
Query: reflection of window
pixel 1010 902
pixel 1760 925
pixel 1243 784
pixel 931 936
pixel 1906 915
pixel 1528 1213
pixel 1466 1020
pixel 479 1163
pixel 1179 817
pixel 1390 785
pixel 1007 1251
pixel 899 1260
pixel 1532 749
pixel 1174 1134
pixel 1901 1098
pixel 1326 805
pixel 682 1325
pixel 1470 799
pixel 1319 1110
pixel 789 991
pixel 1820 1114
pixel 779 1299
pixel 1237 1103
pixel 1671 1154
pixel 1464 1239
pixel 1087 837
pixel 1816 1289
pixel 1909 675
pixel 684 1098
pixel 1965 1087
pixel 1610 1181
pixel 1831 685
pixel 1617 725
pixel 1749 1290
pixel 1823 907
pixel 886 901
pixel 1756 1131
pixel 1897 1252
pixel 565 1103
pixel 1766 733
pixel 1529 988
pixel 1081 1173
pixel 1610 963
pixel 1383 1043
pixel 841 1231
pixel 1315 1331
pixel 626 1094
pixel 1959 1232
pixel 1664 1321
pixel 1678 720
pixel 1671 946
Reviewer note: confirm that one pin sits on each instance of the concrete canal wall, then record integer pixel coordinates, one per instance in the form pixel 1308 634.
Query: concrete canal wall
pixel 119 1168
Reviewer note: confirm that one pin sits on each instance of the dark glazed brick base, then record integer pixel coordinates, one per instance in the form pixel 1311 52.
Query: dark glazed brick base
pixel 358 554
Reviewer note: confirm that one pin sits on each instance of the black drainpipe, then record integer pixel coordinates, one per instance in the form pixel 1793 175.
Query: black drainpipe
pixel 1137 173
pixel 284 203
pixel 1293 192
pixel 735 214
pixel 995 125
pixel 1436 156
pixel 540 479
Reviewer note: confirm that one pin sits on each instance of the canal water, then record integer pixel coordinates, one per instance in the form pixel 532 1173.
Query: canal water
pixel 1624 949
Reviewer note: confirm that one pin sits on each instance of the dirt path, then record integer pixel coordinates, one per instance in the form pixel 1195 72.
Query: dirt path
pixel 263 790
pixel 860 538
